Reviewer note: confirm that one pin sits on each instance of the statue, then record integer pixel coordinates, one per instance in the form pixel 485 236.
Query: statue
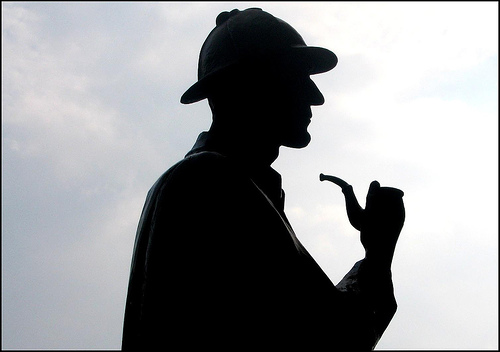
pixel 216 262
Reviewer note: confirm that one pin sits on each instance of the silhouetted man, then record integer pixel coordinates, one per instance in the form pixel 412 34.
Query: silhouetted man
pixel 216 263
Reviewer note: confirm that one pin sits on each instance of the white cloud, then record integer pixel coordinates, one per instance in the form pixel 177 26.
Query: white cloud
pixel 91 117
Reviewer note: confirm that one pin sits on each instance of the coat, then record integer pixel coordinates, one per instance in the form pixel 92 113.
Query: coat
pixel 216 264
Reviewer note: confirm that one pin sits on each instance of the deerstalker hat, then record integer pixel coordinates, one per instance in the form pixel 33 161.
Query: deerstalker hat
pixel 252 36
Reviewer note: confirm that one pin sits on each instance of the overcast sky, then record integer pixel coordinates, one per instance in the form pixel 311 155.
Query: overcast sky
pixel 91 118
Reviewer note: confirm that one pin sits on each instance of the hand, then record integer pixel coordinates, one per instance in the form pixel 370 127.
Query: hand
pixel 383 220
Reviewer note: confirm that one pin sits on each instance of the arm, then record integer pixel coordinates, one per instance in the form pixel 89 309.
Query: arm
pixel 373 290
pixel 370 280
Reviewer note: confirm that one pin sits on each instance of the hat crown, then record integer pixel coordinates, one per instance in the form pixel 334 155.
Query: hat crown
pixel 224 16
pixel 246 35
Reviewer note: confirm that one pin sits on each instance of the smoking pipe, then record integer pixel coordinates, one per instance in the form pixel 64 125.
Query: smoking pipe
pixel 354 210
pixel 385 197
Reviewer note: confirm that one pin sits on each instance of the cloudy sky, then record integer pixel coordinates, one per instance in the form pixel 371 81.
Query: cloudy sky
pixel 91 117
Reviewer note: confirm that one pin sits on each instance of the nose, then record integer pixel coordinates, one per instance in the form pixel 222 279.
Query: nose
pixel 314 95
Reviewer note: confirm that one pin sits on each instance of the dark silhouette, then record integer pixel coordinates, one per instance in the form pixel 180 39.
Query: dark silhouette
pixel 216 263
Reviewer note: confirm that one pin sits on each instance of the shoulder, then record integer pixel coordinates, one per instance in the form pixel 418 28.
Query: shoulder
pixel 202 171
pixel 198 167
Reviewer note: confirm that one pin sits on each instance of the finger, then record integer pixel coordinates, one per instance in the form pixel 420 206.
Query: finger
pixel 374 187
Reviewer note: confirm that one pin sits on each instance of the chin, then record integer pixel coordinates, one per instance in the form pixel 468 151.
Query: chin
pixel 298 142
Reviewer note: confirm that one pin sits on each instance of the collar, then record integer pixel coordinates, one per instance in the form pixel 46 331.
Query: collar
pixel 266 178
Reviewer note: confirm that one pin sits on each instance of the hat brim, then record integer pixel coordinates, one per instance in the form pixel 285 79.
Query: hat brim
pixel 199 90
pixel 315 59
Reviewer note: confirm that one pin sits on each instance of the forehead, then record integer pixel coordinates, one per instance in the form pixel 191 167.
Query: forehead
pixel 277 70
pixel 287 73
pixel 253 76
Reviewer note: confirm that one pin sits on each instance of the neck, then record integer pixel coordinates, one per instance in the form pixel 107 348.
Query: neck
pixel 251 149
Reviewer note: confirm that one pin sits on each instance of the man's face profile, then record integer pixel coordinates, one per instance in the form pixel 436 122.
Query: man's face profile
pixel 296 94
pixel 273 103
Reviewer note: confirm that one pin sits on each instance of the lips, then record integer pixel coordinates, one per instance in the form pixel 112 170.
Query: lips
pixel 306 118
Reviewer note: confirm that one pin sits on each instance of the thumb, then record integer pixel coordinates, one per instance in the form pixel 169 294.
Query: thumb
pixel 374 187
pixel 372 194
